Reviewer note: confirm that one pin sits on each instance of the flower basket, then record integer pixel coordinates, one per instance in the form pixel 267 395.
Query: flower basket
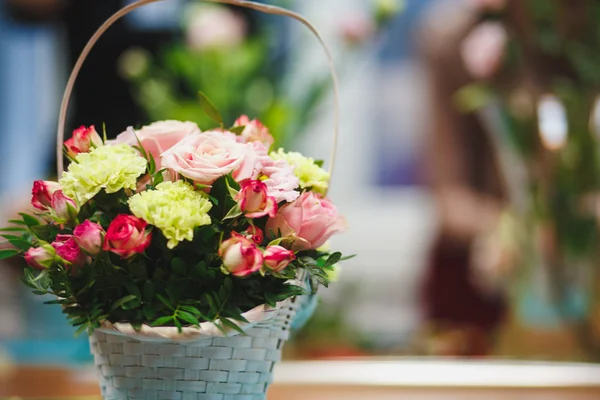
pixel 209 366
pixel 184 254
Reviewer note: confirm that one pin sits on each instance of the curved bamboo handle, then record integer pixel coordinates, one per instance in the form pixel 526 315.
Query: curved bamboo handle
pixel 241 3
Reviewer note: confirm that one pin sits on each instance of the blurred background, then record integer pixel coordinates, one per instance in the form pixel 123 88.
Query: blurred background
pixel 467 166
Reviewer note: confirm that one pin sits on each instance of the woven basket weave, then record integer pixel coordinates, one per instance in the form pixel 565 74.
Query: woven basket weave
pixel 214 368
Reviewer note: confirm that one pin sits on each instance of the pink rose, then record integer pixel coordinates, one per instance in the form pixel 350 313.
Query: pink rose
pixel 255 234
pixel 254 131
pixel 277 258
pixel 205 157
pixel 82 141
pixel 41 257
pixel 41 194
pixel 67 249
pixel 254 201
pixel 89 236
pixel 310 220
pixel 158 137
pixel 277 175
pixel 240 256
pixel 483 49
pixel 127 236
pixel 65 208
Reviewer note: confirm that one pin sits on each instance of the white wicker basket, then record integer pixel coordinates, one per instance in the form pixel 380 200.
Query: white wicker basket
pixel 237 367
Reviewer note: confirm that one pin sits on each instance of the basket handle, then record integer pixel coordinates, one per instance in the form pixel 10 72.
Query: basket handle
pixel 268 9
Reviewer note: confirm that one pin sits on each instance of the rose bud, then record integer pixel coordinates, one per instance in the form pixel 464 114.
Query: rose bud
pixel 65 209
pixel 254 131
pixel 82 141
pixel 240 256
pixel 41 257
pixel 255 234
pixel 254 201
pixel 41 194
pixel 127 236
pixel 69 251
pixel 89 236
pixel 309 221
pixel 277 258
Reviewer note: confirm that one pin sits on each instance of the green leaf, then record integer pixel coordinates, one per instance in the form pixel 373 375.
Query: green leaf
pixel 192 310
pixel 149 291
pixel 212 303
pixel 348 257
pixel 151 165
pixel 235 212
pixel 140 146
pixel 148 311
pixel 232 325
pixel 133 289
pixel 232 192
pixel 55 302
pixel 237 129
pixel 122 301
pixel 104 137
pixel 80 330
pixel 13 229
pixel 214 200
pixel 225 290
pixel 333 259
pixel 179 267
pixel 270 300
pixel 234 315
pixel 178 325
pixel 189 318
pixel 131 305
pixel 165 301
pixel 163 321
pixel 320 163
pixel 29 220
pixel 20 244
pixel 4 254
pixel 17 222
pixel 41 275
pixel 44 232
pixel 210 109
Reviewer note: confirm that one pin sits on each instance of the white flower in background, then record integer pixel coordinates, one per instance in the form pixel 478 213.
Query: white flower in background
pixel 357 28
pixel 482 50
pixel 211 26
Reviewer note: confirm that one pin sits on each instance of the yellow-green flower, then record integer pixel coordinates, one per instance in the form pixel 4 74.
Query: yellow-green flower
pixel 175 208
pixel 306 170
pixel 111 168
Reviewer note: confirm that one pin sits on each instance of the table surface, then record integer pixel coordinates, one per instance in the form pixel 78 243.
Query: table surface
pixel 360 379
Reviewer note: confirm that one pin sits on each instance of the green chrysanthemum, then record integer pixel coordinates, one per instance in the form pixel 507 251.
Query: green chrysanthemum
pixel 111 168
pixel 306 170
pixel 175 208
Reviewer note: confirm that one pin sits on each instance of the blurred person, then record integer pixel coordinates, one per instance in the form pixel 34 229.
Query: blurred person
pixel 463 291
pixel 468 188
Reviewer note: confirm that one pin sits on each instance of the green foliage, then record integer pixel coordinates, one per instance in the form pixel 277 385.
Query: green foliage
pixel 163 287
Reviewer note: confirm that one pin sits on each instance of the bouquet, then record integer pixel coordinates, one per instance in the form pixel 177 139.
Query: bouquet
pixel 168 225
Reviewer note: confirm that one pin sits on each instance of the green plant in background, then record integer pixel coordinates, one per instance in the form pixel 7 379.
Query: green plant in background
pixel 234 66
pixel 546 89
